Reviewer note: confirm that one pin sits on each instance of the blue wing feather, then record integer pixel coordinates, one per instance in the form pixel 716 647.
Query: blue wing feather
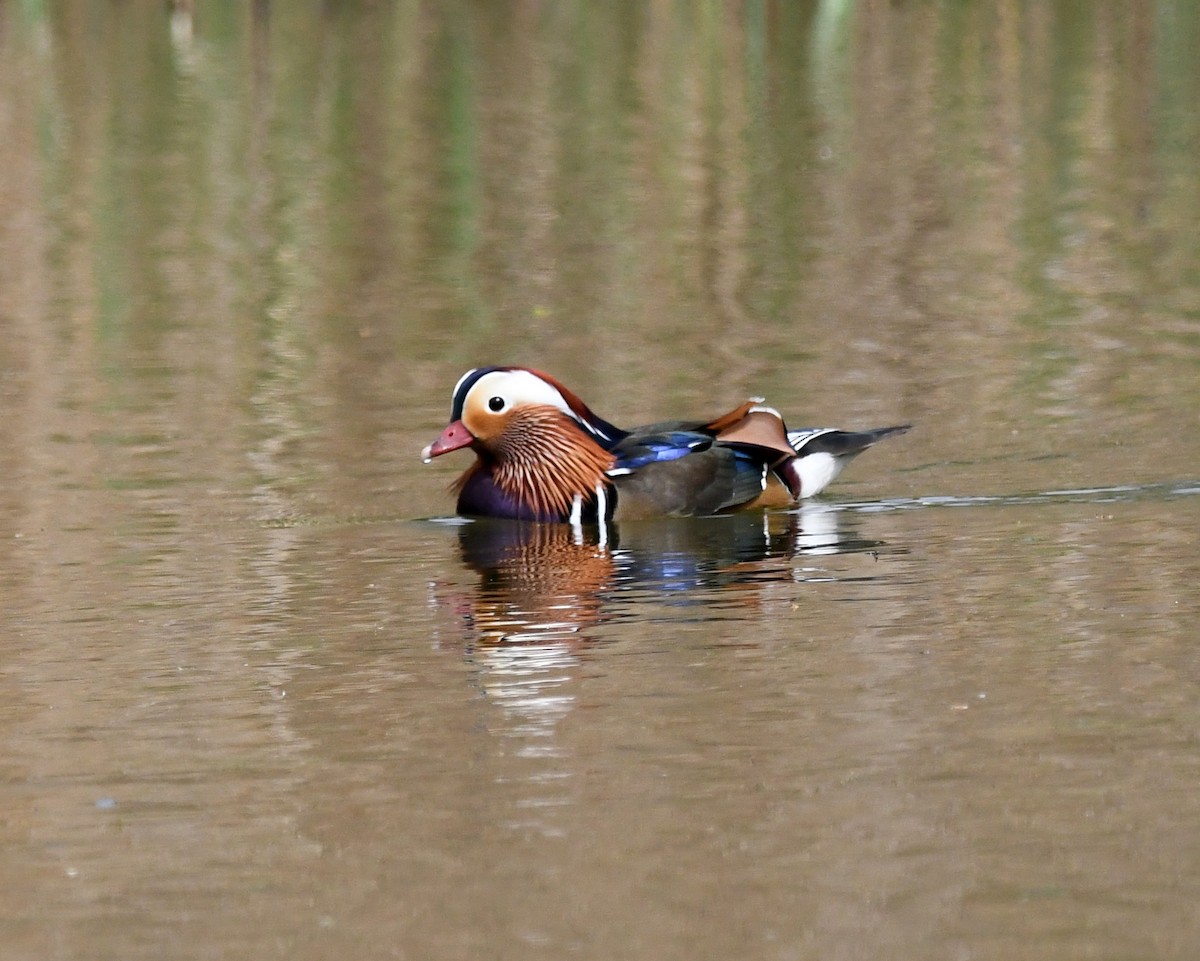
pixel 657 448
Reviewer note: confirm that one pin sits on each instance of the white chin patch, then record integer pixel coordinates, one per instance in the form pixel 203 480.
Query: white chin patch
pixel 816 472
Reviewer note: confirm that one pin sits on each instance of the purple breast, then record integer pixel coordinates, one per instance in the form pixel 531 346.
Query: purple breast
pixel 480 497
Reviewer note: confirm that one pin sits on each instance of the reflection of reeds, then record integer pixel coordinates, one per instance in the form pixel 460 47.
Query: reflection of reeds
pixel 270 246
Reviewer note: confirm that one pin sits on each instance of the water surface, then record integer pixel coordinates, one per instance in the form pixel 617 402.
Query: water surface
pixel 264 697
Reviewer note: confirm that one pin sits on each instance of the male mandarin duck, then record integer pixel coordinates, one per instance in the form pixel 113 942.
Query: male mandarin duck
pixel 543 455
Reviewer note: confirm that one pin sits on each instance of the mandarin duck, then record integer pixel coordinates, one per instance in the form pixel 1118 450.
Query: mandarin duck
pixel 543 455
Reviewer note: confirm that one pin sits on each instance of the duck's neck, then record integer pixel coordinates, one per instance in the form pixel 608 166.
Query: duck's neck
pixel 537 469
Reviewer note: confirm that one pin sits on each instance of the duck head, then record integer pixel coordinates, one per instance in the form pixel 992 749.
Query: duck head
pixel 538 446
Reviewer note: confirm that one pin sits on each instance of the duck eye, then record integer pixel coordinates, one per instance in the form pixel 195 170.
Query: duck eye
pixel 496 404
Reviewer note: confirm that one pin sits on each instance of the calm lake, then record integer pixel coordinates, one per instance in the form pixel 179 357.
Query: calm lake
pixel 262 696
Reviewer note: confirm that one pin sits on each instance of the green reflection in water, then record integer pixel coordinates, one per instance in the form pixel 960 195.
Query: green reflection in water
pixel 298 211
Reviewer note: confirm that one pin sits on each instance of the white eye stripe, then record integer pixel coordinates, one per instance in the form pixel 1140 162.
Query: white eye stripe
pixel 517 387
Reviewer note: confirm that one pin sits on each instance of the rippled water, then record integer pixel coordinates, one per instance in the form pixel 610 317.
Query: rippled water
pixel 264 698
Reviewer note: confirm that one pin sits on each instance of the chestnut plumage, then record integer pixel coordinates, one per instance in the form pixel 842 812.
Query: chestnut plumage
pixel 542 454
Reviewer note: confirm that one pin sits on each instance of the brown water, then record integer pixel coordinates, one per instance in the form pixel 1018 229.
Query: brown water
pixel 261 696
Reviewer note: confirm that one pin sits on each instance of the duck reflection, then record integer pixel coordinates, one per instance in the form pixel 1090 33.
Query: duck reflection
pixel 539 583
pixel 555 584
pixel 549 593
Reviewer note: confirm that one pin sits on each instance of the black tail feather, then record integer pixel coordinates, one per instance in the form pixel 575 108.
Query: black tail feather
pixel 841 443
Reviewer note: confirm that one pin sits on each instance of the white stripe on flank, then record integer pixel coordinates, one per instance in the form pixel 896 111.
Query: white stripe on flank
pixel 577 519
pixel 602 513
